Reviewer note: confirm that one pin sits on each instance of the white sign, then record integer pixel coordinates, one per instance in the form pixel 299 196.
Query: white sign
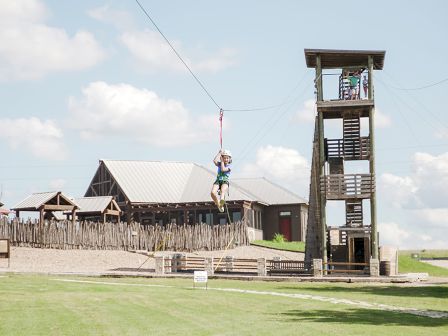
pixel 200 276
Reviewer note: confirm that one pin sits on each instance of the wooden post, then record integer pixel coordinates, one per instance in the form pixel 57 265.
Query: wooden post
pixel 128 212
pixel 320 97
pixel 373 226
pixel 370 79
pixel 323 247
pixel 41 227
pixel 318 80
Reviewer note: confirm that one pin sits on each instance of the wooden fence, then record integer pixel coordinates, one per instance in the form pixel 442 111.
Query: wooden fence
pixel 113 236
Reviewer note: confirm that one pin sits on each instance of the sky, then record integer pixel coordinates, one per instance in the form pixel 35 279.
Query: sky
pixel 82 81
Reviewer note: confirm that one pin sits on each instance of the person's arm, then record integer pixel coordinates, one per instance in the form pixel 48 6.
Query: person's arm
pixel 217 158
pixel 223 167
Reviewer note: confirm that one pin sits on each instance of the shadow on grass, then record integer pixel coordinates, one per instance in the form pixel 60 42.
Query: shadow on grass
pixel 363 317
pixel 440 292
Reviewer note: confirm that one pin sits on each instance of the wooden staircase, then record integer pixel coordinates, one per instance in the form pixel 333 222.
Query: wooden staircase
pixel 353 213
pixel 351 136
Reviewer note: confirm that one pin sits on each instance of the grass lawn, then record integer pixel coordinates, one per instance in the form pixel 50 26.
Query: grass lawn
pixel 407 264
pixel 287 246
pixel 39 305
pixel 426 253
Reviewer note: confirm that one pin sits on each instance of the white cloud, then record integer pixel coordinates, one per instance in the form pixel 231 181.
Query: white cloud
pixel 42 138
pixel 382 120
pixel 29 49
pixel 284 166
pixel 398 191
pixel 57 184
pixel 119 18
pixel 412 234
pixel 307 113
pixel 392 234
pixel 426 187
pixel 153 53
pixel 124 110
pixel 420 200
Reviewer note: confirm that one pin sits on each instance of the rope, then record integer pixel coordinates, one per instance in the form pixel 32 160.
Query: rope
pixel 221 115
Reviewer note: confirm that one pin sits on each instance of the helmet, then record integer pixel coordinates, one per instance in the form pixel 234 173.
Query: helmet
pixel 226 152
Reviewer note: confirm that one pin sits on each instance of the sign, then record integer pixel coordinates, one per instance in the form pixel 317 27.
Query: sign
pixel 200 277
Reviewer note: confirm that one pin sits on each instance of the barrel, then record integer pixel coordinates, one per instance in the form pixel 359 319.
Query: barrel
pixel 385 267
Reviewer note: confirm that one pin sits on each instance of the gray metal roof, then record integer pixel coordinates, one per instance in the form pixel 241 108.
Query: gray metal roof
pixel 93 204
pixel 267 191
pixel 34 201
pixel 167 182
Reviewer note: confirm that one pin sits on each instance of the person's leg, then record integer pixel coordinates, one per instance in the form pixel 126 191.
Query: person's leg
pixel 214 194
pixel 224 189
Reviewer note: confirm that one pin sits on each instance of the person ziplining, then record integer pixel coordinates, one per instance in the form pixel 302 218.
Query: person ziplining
pixel 223 161
pixel 220 187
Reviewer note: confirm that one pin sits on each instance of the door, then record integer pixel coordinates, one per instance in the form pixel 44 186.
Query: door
pixel 285 227
pixel 359 251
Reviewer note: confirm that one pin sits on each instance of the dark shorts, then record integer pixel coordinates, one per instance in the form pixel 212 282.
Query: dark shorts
pixel 221 182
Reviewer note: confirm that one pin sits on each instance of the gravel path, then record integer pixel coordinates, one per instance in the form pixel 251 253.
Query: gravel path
pixel 440 263
pixel 35 260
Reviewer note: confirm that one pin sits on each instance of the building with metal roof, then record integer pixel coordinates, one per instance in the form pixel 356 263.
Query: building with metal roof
pixel 100 208
pixel 46 203
pixel 159 192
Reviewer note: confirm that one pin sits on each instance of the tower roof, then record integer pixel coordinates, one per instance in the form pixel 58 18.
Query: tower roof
pixel 332 58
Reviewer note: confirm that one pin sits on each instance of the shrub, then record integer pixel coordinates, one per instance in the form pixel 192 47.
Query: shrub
pixel 279 238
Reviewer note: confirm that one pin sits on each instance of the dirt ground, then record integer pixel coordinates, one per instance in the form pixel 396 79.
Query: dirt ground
pixel 35 260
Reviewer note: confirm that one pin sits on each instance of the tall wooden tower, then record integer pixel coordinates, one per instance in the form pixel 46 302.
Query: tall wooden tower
pixel 351 244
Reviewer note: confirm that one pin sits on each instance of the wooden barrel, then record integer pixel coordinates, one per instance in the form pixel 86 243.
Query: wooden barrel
pixel 385 267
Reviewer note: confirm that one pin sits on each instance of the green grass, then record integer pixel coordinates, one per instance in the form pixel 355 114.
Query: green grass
pixel 38 305
pixel 287 246
pixel 407 264
pixel 426 253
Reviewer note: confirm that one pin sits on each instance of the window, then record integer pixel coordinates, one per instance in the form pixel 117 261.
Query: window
pixel 285 213
pixel 223 220
pixel 236 216
pixel 209 218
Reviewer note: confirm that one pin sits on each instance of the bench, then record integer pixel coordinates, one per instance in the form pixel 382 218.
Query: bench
pixel 5 251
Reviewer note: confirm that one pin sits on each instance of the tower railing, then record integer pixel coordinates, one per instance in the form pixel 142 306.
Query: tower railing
pixel 346 186
pixel 353 150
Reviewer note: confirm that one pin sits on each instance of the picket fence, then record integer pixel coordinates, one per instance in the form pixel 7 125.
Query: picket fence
pixel 123 236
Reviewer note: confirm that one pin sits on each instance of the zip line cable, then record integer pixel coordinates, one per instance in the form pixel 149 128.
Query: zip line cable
pixel 269 124
pixel 423 106
pixel 180 58
pixel 196 78
pixel 421 87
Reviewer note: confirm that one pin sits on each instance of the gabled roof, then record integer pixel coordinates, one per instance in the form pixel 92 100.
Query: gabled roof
pixel 35 201
pixel 184 182
pixel 94 204
pixel 166 182
pixel 267 191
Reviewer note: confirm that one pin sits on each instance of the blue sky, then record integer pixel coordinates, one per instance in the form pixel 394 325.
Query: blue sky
pixel 89 80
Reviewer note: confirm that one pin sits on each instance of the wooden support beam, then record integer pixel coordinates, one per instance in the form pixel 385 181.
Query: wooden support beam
pixel 373 232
